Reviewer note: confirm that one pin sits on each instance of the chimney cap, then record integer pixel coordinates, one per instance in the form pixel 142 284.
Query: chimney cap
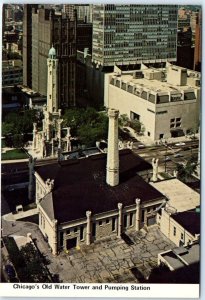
pixel 138 201
pixel 113 112
pixel 119 205
pixel 88 213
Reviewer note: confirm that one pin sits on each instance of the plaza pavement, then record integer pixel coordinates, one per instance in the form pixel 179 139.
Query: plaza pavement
pixel 108 260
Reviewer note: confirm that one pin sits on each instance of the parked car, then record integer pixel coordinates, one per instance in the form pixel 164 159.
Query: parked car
pixel 178 155
pixel 180 144
pixel 141 146
pixel 167 158
pixel 125 129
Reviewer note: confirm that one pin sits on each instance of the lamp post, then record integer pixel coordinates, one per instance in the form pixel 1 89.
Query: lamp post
pixel 165 161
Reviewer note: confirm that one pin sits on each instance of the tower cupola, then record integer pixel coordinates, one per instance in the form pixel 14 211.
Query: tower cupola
pixel 52 53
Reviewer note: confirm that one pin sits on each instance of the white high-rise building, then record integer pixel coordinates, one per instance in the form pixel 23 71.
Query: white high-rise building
pixel 130 34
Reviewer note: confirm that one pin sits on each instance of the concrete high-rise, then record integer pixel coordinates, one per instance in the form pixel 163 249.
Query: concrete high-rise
pixel 130 34
pixel 84 11
pixel 50 28
pixel 197 50
pixel 27 41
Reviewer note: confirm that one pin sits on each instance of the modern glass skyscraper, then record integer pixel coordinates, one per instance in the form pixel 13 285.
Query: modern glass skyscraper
pixel 130 34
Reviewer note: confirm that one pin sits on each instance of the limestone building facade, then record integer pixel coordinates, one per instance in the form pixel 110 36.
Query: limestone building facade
pixel 49 141
pixel 166 101
pixel 179 219
pixel 181 228
pixel 110 196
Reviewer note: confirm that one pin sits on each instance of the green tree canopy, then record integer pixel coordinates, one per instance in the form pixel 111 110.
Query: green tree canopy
pixel 186 171
pixel 88 124
pixel 17 123
pixel 124 120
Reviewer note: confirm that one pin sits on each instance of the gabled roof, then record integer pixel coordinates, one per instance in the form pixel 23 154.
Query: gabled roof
pixel 80 185
pixel 47 205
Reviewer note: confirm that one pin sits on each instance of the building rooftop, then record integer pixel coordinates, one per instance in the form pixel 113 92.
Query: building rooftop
pixel 189 220
pixel 179 195
pixel 153 84
pixel 182 256
pixel 169 84
pixel 80 185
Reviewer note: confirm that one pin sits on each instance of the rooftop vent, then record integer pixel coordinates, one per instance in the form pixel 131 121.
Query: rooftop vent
pixel 138 75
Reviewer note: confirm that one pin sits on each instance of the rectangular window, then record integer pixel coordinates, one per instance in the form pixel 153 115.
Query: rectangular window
pixel 61 238
pixel 113 224
pixel 76 229
pixel 81 233
pixel 131 219
pixel 161 136
pixel 174 232
pixel 100 223
pixel 142 215
pixel 125 221
pixel 107 221
pixel 94 229
pixel 182 236
pixel 68 231
pixel 134 116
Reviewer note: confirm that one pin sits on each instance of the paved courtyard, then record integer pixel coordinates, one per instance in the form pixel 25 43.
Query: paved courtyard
pixel 108 260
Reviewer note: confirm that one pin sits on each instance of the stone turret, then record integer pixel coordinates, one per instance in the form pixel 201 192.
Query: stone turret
pixel 49 185
pixel 52 82
pixel 155 162
pixel 112 177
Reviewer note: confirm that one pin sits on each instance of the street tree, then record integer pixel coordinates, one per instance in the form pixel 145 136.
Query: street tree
pixel 185 172
pixel 88 124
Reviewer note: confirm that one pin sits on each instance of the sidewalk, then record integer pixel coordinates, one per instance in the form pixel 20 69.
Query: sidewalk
pixel 20 215
pixel 148 142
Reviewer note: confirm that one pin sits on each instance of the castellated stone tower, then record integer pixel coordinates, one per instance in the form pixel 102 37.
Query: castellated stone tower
pixel 49 141
pixel 52 88
pixel 112 177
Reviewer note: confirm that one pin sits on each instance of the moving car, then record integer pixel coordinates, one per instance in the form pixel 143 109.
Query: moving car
pixel 178 155
pixel 180 144
pixel 141 146
pixel 167 158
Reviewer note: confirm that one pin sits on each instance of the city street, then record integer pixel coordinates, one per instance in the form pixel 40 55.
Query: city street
pixel 170 156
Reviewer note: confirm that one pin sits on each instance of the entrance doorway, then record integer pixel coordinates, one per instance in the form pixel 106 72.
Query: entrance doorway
pixel 71 243
pixel 151 220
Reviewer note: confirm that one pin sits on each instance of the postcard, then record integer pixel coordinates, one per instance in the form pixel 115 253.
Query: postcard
pixel 100 150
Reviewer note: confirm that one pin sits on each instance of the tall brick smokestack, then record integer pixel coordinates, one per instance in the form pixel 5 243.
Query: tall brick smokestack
pixel 112 177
